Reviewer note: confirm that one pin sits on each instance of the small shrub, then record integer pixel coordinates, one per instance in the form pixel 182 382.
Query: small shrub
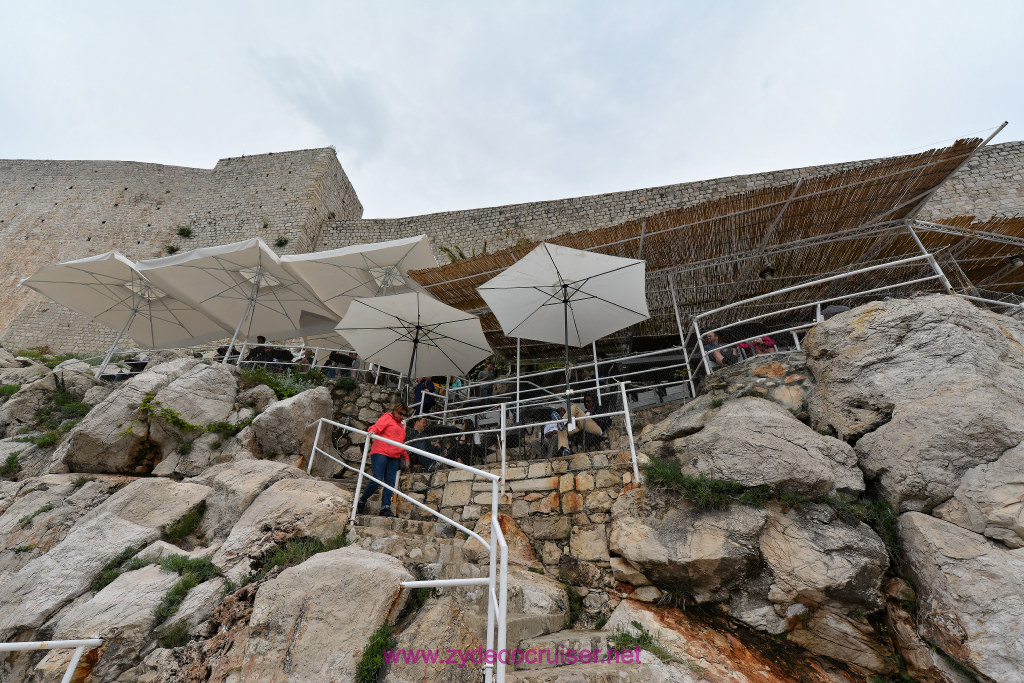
pixel 418 598
pixel 25 548
pixel 296 551
pixel 369 667
pixel 575 601
pixel 172 249
pixel 192 572
pixel 281 240
pixel 183 528
pixel 184 231
pixel 346 383
pixel 717 403
pixel 175 636
pixel 623 640
pixel 11 465
pixel 228 429
pixel 8 390
pixel 113 569
pixel 535 570
pixel 185 447
pixel 47 439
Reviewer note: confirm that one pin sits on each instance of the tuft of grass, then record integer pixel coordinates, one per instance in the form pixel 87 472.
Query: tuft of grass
pixel 717 403
pixel 184 527
pixel 27 519
pixel 174 636
pixel 281 240
pixel 417 599
pixel 25 548
pixel 8 390
pixel 47 439
pixel 192 573
pixel 79 482
pixel 284 386
pixel 114 568
pixel 704 492
pixel 184 231
pixel 185 447
pixel 369 667
pixel 11 465
pixel 296 551
pixel 575 601
pixel 172 248
pixel 623 639
pixel 228 429
pixel 535 570
pixel 346 383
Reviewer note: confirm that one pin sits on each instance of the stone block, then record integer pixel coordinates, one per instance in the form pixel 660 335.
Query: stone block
pixel 460 475
pixel 457 493
pixel 608 479
pixel 584 481
pixel 551 553
pixel 439 479
pixel 599 501
pixel 551 528
pixel 589 543
pixel 546 505
pixel 543 484
pixel 520 508
pixel 539 469
pixel 559 466
pixel 471 513
pixel 599 460
pixel 572 502
pixel 566 482
pixel 580 461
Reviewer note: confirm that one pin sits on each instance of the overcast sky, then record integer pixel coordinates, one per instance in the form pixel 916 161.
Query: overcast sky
pixel 436 106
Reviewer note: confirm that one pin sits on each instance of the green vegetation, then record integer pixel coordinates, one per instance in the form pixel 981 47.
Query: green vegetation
pixel 8 390
pixel 369 667
pixel 185 447
pixel 47 439
pixel 125 561
pixel 717 403
pixel 25 548
pixel 192 573
pixel 27 519
pixel 228 429
pixel 346 383
pixel 296 551
pixel 58 418
pixel 44 355
pixel 417 599
pixel 79 482
pixel 172 248
pixel 150 408
pixel 281 240
pixel 535 570
pixel 454 254
pixel 623 640
pixel 575 601
pixel 184 527
pixel 11 465
pixel 184 231
pixel 175 636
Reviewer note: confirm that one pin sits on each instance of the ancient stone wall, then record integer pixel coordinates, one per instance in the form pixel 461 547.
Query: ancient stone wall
pixel 53 211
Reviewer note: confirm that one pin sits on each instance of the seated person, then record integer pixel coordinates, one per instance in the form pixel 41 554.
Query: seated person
pixel 221 350
pixel 258 351
pixel 416 436
pixel 465 449
pixel 352 365
pixel 719 354
pixel 587 439
pixel 764 345
pixel 331 368
pixel 307 360
pixel 423 385
pixel 546 445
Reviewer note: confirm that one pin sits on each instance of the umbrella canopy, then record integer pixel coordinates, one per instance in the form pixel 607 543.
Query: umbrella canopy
pixel 361 270
pixel 416 331
pixel 110 290
pixel 562 295
pixel 243 286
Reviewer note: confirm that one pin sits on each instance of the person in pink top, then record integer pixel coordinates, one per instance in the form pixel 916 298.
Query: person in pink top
pixel 386 458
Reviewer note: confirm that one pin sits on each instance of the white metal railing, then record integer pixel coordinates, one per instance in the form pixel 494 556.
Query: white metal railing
pixel 813 305
pixel 497 578
pixel 80 646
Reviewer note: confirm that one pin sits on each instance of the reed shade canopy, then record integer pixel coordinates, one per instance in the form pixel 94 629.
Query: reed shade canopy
pixel 362 270
pixel 793 228
pixel 415 331
pixel 557 294
pixel 244 287
pixel 109 289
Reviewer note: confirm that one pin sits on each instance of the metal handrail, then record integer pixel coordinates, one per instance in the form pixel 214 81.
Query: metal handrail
pixel 497 580
pixel 80 646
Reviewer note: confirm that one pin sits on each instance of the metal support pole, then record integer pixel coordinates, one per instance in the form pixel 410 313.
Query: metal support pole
pixel 113 347
pixel 682 337
pixel 359 479
pixel 629 431
pixel 501 445
pixel 518 372
pixel 700 345
pixel 447 393
pixel 250 303
pixel 597 372
pixel 568 388
pixel 931 260
pixel 316 444
pixel 492 593
pixel 73 664
pixel 817 313
pixel 796 340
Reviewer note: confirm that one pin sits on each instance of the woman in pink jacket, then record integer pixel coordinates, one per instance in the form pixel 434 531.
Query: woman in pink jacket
pixel 385 458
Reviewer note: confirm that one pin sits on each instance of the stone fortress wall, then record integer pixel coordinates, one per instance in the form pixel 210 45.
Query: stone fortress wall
pixel 52 211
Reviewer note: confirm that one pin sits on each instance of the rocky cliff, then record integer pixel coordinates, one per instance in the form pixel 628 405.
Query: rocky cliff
pixel 846 513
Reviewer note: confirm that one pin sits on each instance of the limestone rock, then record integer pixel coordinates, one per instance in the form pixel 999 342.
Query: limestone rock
pixel 924 664
pixel 7 360
pixel 203 394
pixel 756 442
pixel 520 550
pixel 20 409
pixel 833 634
pixel 131 517
pixel 96 394
pixel 932 386
pixel 24 375
pixel 444 624
pixel 814 557
pixel 687 420
pixel 284 429
pixel 672 543
pixel 970 595
pixel 532 593
pixel 990 500
pixel 77 379
pixel 289 508
pixel 123 612
pixel 235 485
pixel 258 397
pixel 296 634
pixel 112 437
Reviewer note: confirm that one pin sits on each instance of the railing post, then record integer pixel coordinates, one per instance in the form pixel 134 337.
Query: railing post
pixel 447 393
pixel 518 418
pixel 597 373
pixel 682 338
pixel 700 344
pixel 629 432
pixel 359 478
pixel 316 444
pixel 73 664
pixel 817 313
pixel 501 444
pixel 796 340
pixel 492 588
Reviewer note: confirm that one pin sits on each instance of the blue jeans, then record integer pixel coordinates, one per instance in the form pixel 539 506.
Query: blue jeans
pixel 385 469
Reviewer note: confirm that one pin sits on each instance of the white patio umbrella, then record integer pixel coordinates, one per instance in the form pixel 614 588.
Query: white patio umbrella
pixel 361 270
pixel 414 330
pixel 567 296
pixel 109 289
pixel 242 285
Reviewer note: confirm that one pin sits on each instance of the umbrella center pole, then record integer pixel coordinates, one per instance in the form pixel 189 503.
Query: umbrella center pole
pixel 248 306
pixel 412 362
pixel 568 389
pixel 113 347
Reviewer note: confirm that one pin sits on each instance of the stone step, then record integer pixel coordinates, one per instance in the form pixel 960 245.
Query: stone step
pixel 564 641
pixel 583 673
pixel 520 627
pixel 410 526
pixel 413 548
